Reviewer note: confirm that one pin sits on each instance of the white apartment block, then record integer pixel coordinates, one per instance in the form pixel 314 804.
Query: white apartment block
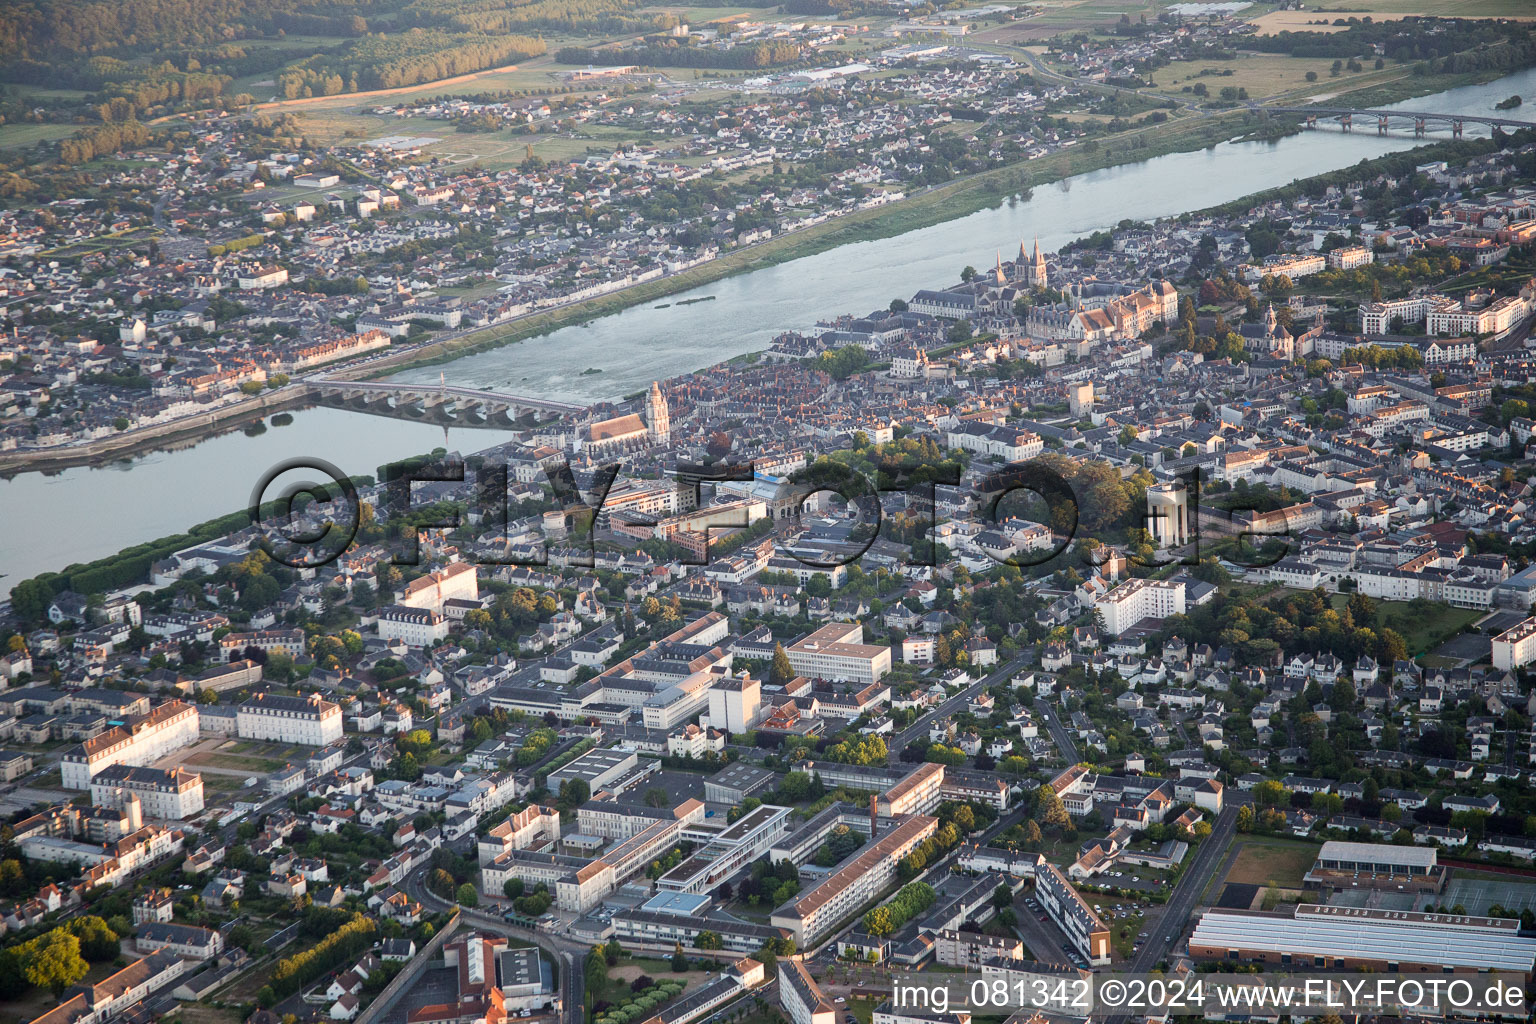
pixel 1291 265
pixel 141 740
pixel 918 793
pixel 310 721
pixel 836 897
pixel 1349 257
pixel 282 641
pixel 1515 647
pixel 1135 600
pixel 838 651
pixel 457 582
pixel 171 793
pixel 735 704
pixel 533 826
pixel 1377 317
pixel 1496 317
pixel 415 627
pixel 1086 929
pixel 801 997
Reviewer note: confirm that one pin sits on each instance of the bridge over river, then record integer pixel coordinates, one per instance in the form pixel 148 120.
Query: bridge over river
pixel 1422 121
pixel 383 396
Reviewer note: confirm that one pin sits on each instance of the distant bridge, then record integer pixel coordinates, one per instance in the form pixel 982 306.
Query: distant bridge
pixel 449 398
pixel 1421 120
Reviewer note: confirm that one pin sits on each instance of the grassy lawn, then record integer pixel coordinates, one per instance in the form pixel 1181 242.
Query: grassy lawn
pixel 1423 625
pixel 1123 937
pixel 616 988
pixel 196 1013
pixel 14 136
pixel 235 762
pixel 863 1009
pixel 1266 861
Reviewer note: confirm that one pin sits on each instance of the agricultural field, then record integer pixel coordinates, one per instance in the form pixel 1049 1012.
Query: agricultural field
pixel 1262 75
pixel 19 136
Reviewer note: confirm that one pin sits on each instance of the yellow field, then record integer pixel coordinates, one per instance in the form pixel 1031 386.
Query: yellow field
pixel 1276 22
pixel 1262 75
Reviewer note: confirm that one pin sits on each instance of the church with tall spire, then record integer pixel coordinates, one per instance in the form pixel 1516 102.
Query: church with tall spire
pixel 1032 268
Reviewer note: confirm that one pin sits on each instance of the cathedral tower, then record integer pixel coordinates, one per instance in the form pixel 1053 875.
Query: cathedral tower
pixel 657 420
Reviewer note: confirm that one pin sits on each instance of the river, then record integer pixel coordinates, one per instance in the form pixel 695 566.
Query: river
pixel 85 513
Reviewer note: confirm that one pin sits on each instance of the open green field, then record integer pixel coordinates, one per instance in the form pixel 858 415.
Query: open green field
pixel 18 136
pixel 1422 624
pixel 1268 861
pixel 1261 74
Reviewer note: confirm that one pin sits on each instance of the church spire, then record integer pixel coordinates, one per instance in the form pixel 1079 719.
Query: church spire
pixel 1037 275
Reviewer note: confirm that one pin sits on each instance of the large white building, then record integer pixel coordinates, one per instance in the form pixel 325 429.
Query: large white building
pixel 1008 443
pixel 808 917
pixel 173 793
pixel 1349 257
pixel 1135 600
pixel 1515 647
pixel 310 720
pixel 735 704
pixel 742 842
pixel 801 997
pixel 1086 929
pixel 1168 514
pixel 432 591
pixel 140 740
pixel 416 627
pixel 837 651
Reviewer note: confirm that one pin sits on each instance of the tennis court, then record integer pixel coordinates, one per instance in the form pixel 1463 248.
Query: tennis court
pixel 1478 894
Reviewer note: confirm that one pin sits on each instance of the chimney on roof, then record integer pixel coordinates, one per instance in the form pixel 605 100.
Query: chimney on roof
pixel 874 814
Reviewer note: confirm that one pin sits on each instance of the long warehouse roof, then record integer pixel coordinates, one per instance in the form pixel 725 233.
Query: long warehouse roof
pixel 1390 941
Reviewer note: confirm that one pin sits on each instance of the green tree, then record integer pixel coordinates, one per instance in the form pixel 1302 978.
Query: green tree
pixel 1049 810
pixel 53 961
pixel 97 940
pixel 466 896
pixel 781 671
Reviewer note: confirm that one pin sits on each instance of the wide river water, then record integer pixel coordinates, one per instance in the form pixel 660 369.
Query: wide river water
pixel 84 513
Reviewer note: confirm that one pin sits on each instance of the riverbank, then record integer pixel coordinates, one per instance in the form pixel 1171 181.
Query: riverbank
pixel 949 201
pixel 158 495
pixel 157 437
pixel 942 203
pixel 1188 132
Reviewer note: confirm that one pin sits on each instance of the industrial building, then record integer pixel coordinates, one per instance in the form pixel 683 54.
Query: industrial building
pixel 1351 938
